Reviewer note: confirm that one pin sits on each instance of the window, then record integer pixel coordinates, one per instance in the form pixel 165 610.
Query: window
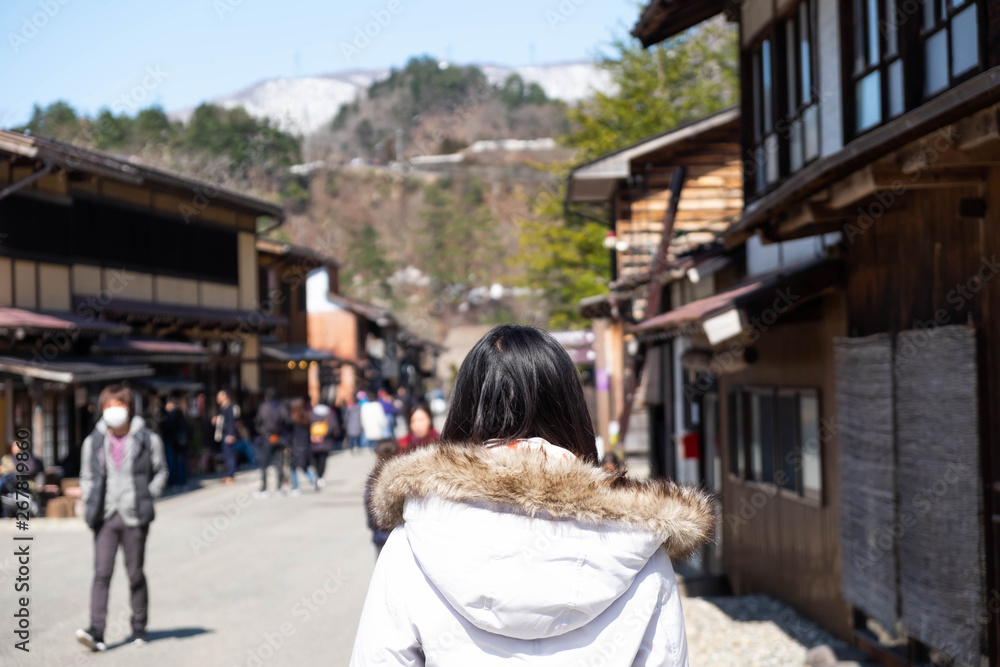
pixel 801 89
pixel 782 438
pixel 762 434
pixel 787 438
pixel 877 74
pixel 783 98
pixel 949 36
pixel 764 143
pixel 95 232
pixel 812 474
pixel 903 54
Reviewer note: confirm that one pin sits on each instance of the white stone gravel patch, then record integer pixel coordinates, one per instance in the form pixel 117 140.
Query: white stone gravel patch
pixel 749 631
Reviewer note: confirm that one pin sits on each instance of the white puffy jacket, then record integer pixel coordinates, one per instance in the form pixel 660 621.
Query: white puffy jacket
pixel 510 556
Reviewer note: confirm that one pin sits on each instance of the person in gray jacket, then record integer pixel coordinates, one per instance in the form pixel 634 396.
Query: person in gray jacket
pixel 122 469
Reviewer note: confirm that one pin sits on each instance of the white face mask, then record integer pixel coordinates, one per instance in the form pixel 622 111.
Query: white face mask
pixel 115 416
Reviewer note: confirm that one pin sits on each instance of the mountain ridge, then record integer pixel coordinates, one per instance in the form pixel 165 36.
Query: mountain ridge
pixel 305 104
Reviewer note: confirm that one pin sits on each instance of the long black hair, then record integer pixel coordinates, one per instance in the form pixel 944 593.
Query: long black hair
pixel 518 382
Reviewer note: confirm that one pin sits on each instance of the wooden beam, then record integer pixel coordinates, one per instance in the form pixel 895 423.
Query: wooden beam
pixel 806 218
pixel 891 178
pixel 854 188
pixel 980 128
pixel 925 156
pixel 875 178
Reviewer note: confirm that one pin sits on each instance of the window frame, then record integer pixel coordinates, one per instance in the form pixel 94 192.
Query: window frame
pixel 910 38
pixel 742 394
pixel 945 24
pixel 794 104
pixel 796 90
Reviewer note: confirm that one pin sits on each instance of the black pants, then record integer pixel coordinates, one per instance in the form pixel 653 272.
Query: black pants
pixel 133 541
pixel 271 454
pixel 319 460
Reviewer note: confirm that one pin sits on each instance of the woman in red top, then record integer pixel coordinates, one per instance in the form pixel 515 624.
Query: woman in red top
pixel 421 429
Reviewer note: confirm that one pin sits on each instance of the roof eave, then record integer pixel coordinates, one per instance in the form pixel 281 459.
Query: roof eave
pixel 74 157
pixel 662 19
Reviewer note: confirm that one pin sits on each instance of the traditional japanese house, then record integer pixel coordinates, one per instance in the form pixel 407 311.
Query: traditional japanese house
pixel 634 185
pixel 113 271
pixel 376 350
pixel 862 480
pixel 288 363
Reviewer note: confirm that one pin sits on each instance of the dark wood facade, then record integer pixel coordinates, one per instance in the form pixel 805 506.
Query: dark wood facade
pixel 775 541
pixel 905 172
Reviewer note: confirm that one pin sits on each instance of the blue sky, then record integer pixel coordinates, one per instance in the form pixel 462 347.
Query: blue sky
pixel 183 52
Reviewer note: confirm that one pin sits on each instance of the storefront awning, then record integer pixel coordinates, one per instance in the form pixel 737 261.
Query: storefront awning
pixel 295 352
pixel 738 309
pixel 69 371
pixel 153 350
pixel 32 321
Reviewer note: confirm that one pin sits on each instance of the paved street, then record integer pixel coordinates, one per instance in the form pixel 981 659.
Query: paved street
pixel 230 578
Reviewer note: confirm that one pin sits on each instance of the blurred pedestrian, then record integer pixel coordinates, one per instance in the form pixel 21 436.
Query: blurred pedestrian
pixel 272 422
pixel 244 444
pixel 324 430
pixel 404 402
pixel 176 432
pixel 421 429
pixel 389 408
pixel 513 543
pixel 122 471
pixel 300 444
pixel 225 433
pixel 385 449
pixel 352 423
pixel 374 425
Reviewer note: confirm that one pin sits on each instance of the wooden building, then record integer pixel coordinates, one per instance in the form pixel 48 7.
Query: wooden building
pixel 288 364
pixel 859 443
pixel 374 349
pixel 113 271
pixel 634 184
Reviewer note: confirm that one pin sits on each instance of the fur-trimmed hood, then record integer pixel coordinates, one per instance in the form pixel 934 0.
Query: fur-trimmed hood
pixel 527 482
pixel 525 544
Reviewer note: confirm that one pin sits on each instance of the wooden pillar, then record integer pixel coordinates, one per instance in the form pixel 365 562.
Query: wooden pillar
pixel 602 380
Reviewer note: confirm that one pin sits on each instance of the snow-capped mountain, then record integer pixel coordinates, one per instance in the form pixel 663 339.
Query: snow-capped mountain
pixel 304 104
pixel 569 82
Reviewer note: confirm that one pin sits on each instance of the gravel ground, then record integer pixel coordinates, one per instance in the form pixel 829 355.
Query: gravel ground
pixel 751 631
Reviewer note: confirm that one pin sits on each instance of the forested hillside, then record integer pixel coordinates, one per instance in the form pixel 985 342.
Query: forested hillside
pixel 430 237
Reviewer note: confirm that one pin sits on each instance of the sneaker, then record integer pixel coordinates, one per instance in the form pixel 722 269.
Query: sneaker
pixel 92 639
pixel 296 492
pixel 139 638
pixel 321 482
pixel 260 494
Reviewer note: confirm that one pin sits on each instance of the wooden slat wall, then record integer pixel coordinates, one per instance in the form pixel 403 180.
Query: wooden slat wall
pixel 711 199
pixel 775 544
pixel 908 267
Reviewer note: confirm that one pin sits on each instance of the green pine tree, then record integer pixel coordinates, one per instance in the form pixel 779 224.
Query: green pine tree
pixel 686 77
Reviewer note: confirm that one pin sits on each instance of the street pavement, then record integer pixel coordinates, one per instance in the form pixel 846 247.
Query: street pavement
pixel 233 580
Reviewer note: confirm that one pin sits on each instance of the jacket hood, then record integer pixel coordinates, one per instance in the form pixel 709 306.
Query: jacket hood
pixel 526 546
